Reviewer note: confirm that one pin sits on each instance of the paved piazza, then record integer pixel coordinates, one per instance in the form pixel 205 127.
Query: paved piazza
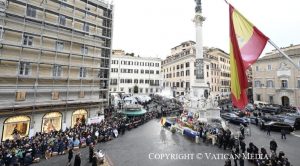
pixel 139 146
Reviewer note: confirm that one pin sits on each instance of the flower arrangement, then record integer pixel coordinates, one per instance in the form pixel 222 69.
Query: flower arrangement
pixel 173 129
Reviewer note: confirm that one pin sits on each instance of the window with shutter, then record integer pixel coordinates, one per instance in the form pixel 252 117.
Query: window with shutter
pixel 81 94
pixel 20 96
pixel 55 95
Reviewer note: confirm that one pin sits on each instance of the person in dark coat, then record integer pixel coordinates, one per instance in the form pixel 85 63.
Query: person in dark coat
pixel 242 129
pixel 70 156
pixel 234 152
pixel 94 160
pixel 77 160
pixel 228 162
pixel 220 138
pixel 243 146
pixel 273 145
pixel 91 153
pixel 268 130
pixel 242 162
pixel 256 121
pixel 283 132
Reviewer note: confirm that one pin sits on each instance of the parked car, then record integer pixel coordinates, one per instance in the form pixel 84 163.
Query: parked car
pixel 266 118
pixel 228 116
pixel 288 109
pixel 253 119
pixel 233 118
pixel 293 120
pixel 274 110
pixel 239 120
pixel 250 107
pixel 277 126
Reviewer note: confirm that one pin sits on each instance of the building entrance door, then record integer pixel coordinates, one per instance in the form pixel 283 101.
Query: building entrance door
pixel 285 101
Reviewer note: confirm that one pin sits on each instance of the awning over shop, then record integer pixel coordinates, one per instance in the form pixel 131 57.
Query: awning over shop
pixel 138 112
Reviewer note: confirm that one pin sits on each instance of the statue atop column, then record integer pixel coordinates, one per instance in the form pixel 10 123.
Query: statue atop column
pixel 198 8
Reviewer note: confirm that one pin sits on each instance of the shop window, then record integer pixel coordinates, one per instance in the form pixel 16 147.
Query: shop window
pixel 16 127
pixel 79 117
pixel 20 96
pixel 52 122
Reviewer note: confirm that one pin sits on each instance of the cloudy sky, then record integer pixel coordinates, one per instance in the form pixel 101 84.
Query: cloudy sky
pixel 153 27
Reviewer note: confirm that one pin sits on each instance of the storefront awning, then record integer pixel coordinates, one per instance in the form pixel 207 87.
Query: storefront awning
pixel 135 113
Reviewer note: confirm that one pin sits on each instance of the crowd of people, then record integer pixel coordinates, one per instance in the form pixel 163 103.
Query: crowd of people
pixel 240 152
pixel 253 154
pixel 25 151
pixel 235 145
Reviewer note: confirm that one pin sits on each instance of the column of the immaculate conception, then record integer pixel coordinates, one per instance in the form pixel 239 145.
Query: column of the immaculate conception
pixel 200 85
pixel 201 102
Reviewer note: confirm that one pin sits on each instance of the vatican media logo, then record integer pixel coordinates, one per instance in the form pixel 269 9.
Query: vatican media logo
pixel 221 156
pixel 206 156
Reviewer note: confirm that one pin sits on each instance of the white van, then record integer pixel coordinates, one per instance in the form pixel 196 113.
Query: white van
pixel 260 104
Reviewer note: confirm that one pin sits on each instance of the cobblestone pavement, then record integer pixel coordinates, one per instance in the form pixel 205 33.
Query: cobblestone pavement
pixel 136 146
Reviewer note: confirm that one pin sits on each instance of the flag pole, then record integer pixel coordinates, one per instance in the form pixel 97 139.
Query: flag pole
pixel 281 52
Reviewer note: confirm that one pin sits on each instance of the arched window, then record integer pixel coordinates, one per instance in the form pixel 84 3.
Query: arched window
pixel 16 127
pixel 51 122
pixel 79 117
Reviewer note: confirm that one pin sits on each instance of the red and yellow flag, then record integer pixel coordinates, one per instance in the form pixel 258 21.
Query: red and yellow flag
pixel 246 45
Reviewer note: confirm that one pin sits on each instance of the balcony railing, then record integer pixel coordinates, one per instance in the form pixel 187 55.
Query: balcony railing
pixel 286 89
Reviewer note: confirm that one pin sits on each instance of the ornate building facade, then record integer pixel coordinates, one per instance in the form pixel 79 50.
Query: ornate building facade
pixel 276 80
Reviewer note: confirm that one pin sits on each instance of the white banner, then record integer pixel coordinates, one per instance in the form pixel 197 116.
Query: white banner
pixel 64 127
pixel 96 119
pixel 31 133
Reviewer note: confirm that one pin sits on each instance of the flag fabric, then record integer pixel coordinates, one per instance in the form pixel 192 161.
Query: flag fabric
pixel 246 45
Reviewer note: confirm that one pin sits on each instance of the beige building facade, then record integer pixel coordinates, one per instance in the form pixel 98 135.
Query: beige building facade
pixel 179 70
pixel 220 73
pixel 276 80
pixel 54 63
